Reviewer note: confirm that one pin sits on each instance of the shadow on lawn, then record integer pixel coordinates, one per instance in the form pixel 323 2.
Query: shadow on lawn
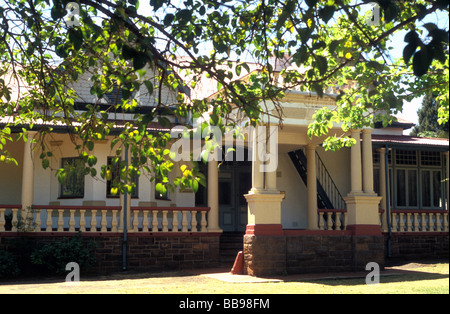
pixel 392 277
pixel 395 272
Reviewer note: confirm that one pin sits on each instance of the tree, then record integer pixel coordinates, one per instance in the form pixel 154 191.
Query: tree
pixel 428 120
pixel 49 43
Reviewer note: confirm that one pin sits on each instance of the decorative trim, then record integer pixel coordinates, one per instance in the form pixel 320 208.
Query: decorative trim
pixel 265 229
pixel 357 230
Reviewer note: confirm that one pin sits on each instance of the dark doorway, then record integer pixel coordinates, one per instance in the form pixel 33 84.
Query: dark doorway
pixel 235 180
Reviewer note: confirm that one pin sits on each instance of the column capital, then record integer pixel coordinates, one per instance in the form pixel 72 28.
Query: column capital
pixel 367 130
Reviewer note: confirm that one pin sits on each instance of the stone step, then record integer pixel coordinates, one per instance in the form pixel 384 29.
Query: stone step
pixel 230 245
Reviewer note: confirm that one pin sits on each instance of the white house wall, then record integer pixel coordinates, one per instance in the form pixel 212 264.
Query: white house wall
pixel 47 188
pixel 338 165
pixel 294 205
pixel 11 176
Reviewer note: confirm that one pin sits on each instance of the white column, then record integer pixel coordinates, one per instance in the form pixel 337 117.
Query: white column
pixel 213 196
pixel 271 172
pixel 257 164
pixel 311 186
pixel 383 190
pixel 367 161
pixel 28 173
pixel 355 167
pixel 447 167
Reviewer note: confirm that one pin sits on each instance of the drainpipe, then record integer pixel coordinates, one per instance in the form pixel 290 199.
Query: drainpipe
pixel 125 223
pixel 388 207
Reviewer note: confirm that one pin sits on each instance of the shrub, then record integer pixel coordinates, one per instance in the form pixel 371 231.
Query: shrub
pixel 55 256
pixel 8 265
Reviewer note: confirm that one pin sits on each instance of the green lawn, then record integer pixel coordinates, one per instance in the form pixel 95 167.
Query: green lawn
pixel 422 279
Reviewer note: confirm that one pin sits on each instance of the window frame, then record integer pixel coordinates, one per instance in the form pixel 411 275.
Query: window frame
pixel 114 174
pixel 73 181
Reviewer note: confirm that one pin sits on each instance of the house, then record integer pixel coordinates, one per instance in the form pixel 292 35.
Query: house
pixel 316 211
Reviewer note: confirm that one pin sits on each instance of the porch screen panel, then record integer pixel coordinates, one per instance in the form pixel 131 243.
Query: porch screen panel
pixel 426 189
pixel 401 187
pixel 437 193
pixel 412 188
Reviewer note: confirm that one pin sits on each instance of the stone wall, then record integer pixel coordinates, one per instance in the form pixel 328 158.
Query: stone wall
pixel 291 254
pixel 419 246
pixel 144 252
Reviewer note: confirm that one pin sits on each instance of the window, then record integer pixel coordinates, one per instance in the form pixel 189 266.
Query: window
pixel 417 179
pixel 430 159
pixel 73 183
pixel 406 157
pixel 431 189
pixel 113 164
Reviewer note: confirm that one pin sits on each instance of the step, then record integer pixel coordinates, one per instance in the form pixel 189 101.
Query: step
pixel 230 245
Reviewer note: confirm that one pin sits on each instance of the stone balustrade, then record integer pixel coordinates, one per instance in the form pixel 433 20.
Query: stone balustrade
pixel 102 219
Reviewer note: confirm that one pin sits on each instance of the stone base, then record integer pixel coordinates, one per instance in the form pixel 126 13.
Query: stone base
pixel 264 255
pixel 145 252
pixel 314 253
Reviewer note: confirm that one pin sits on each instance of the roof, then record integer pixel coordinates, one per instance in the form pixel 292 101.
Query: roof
pixel 399 123
pixel 59 126
pixel 411 141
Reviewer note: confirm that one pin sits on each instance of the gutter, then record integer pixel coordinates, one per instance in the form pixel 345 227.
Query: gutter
pixel 125 223
pixel 388 201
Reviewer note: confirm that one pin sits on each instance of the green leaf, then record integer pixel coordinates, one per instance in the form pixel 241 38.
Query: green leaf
pixel 326 13
pixel 195 186
pixel 157 3
pixel 45 163
pixel 92 160
pixel 57 11
pixel 412 37
pixel 128 52
pixel 318 89
pixel 61 174
pixel 161 189
pixel 442 4
pixel 288 9
pixel 139 61
pixel 408 52
pixel 311 3
pixel 322 64
pixel 184 16
pixel 202 10
pixel 168 19
pixel 76 38
pixel 422 61
pixel 391 12
pixel 149 86
pixel 376 65
pixel 90 145
pixel 430 26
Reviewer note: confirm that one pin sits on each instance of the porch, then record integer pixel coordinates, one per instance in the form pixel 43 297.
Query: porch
pixel 340 238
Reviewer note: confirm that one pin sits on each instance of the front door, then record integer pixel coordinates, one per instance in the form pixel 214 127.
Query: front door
pixel 234 183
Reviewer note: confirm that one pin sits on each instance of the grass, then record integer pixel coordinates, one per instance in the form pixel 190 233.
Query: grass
pixel 419 279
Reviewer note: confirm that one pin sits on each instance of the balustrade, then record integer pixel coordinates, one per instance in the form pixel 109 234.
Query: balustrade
pixel 332 219
pixel 169 219
pixel 102 219
pixel 419 221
